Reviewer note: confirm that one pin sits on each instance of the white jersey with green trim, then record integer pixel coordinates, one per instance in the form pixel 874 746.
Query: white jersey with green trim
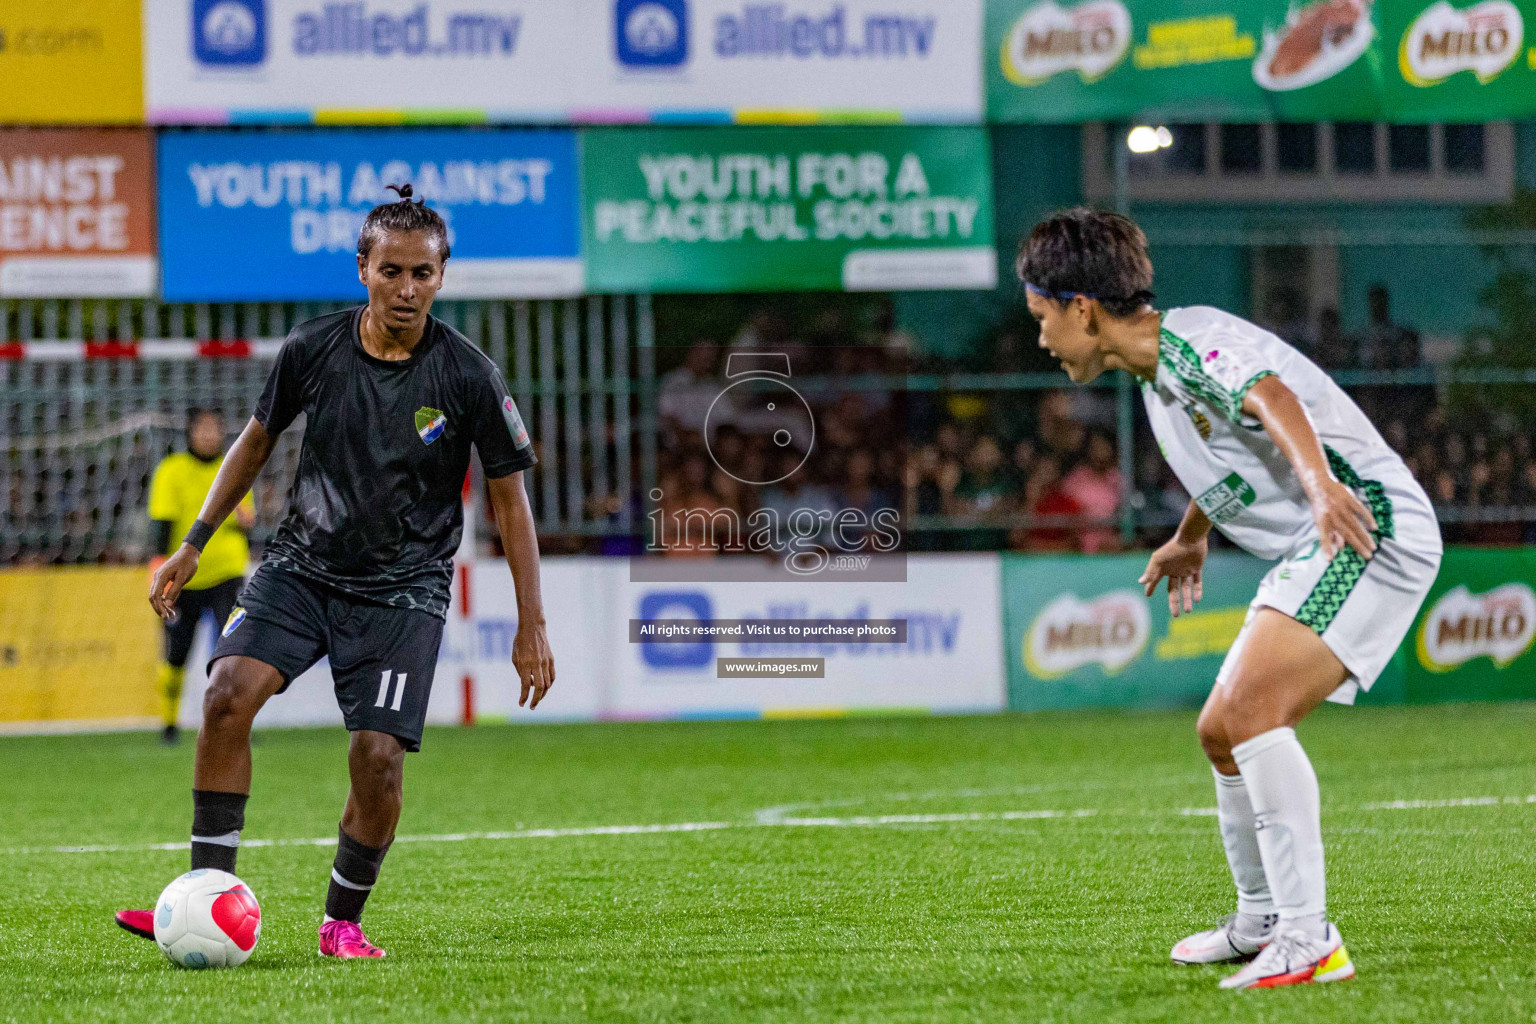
pixel 1207 362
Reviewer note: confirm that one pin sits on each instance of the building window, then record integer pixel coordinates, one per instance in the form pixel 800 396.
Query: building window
pixel 1352 162
pixel 1354 147
pixel 1187 154
pixel 1242 149
pixel 1296 148
pixel 1464 148
pixel 1408 148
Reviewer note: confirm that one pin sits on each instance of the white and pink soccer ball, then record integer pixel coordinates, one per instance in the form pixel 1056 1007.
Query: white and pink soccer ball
pixel 207 918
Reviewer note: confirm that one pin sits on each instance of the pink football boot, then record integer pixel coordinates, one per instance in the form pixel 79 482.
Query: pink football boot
pixel 345 941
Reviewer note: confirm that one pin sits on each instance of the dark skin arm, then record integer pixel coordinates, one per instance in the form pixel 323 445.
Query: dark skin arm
pixel 1342 519
pixel 531 655
pixel 238 472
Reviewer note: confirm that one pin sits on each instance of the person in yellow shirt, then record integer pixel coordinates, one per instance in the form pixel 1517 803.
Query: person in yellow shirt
pixel 176 494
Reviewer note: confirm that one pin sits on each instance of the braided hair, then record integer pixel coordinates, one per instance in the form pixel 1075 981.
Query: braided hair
pixel 401 215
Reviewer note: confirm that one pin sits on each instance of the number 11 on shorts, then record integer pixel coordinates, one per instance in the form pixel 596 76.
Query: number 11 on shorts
pixel 384 690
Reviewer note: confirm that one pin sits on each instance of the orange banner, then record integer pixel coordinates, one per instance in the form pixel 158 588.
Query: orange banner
pixel 77 213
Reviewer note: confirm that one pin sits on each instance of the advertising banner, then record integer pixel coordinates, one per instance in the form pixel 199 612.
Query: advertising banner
pixel 915 61
pixel 77 213
pixel 951 660
pixel 1474 634
pixel 439 61
pixel 64 664
pixel 1337 60
pixel 477 647
pixel 1080 632
pixel 777 209
pixel 275 216
pixel 71 62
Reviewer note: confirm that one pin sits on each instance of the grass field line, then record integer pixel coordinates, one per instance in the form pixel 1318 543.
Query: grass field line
pixel 780 821
pixel 1467 801
pixel 776 815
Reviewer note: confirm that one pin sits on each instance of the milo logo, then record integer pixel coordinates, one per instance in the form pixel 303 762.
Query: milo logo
pixel 1048 39
pixel 1224 502
pixel 1069 633
pixel 1484 39
pixel 1461 625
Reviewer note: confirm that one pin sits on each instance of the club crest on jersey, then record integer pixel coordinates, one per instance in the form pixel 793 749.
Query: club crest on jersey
pixel 236 616
pixel 1202 424
pixel 514 422
pixel 430 423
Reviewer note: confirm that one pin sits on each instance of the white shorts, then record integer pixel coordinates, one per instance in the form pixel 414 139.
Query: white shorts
pixel 1361 614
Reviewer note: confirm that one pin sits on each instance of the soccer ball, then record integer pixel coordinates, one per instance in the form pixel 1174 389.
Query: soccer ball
pixel 207 918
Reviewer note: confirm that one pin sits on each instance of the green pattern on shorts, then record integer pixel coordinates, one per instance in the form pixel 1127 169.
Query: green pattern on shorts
pixel 1344 571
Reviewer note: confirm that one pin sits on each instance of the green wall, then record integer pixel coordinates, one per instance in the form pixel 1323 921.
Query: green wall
pixel 1037 169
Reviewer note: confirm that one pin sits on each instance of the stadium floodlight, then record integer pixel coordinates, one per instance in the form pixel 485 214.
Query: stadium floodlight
pixel 1146 139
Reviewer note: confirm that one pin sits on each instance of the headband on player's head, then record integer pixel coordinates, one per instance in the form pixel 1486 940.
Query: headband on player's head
pixel 1046 293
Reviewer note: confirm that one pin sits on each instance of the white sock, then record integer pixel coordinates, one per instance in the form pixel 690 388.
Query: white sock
pixel 1234 815
pixel 1288 822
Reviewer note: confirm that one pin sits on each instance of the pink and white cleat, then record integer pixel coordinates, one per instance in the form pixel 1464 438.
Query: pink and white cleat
pixel 345 941
pixel 139 922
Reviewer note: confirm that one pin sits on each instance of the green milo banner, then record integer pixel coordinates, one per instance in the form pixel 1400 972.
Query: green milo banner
pixel 1249 60
pixel 1473 637
pixel 772 209
pixel 1079 632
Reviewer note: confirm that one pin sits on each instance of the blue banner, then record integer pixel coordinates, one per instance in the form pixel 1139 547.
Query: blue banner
pixel 274 216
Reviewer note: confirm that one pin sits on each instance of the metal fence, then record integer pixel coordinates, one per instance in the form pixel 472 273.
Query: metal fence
pixel 94 394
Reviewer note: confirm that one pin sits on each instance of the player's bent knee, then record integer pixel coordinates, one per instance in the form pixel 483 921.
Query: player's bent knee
pixel 380 756
pixel 236 691
pixel 1243 721
pixel 1213 737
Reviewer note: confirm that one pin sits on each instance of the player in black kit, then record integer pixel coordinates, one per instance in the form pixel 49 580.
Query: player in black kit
pixel 361 565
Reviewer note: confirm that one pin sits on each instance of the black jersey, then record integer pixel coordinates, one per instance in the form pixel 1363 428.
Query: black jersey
pixel 375 509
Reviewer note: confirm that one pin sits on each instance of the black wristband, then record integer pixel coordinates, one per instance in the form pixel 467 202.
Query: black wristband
pixel 199 534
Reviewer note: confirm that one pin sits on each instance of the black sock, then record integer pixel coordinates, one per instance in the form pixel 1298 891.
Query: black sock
pixel 352 878
pixel 217 819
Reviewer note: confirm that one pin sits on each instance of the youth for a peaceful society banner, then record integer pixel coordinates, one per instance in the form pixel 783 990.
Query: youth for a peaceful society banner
pixel 1235 60
pixel 275 216
pixel 437 61
pixel 77 213
pixel 774 209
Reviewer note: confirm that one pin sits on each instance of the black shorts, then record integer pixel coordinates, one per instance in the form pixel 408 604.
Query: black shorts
pixel 382 658
pixel 216 601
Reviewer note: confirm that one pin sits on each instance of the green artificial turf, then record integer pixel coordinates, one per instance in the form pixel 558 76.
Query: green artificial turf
pixel 912 888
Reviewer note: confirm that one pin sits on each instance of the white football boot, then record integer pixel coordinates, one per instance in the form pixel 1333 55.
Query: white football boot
pixel 1223 944
pixel 1294 958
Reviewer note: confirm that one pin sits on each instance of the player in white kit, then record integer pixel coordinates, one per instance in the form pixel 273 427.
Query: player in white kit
pixel 1283 463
